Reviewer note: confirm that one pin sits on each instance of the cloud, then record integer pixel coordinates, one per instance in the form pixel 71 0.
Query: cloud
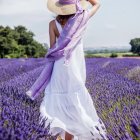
pixel 30 13
pixel 20 7
pixel 110 26
pixel 23 12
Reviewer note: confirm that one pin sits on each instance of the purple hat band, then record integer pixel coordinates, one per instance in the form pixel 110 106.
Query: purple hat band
pixel 67 1
pixel 76 2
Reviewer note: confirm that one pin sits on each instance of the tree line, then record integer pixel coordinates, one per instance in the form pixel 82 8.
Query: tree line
pixel 19 42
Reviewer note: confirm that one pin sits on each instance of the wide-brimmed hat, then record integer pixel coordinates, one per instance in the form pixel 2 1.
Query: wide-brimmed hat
pixel 58 8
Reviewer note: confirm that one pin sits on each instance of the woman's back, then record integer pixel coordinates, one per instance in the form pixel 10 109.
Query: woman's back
pixel 74 74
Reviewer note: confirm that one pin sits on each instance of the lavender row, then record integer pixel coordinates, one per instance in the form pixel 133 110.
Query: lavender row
pixel 116 98
pixel 19 114
pixel 17 67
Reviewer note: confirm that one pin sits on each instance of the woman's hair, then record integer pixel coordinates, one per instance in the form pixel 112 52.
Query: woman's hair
pixel 62 18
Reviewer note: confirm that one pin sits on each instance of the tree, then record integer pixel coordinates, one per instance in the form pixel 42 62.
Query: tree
pixel 135 46
pixel 25 37
pixel 19 42
pixel 3 46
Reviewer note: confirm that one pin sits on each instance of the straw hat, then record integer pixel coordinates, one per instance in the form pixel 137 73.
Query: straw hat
pixel 65 9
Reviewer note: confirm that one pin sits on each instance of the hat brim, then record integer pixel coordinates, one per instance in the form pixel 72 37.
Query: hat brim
pixel 67 9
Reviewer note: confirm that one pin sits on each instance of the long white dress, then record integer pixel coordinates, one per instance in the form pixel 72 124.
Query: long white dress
pixel 67 103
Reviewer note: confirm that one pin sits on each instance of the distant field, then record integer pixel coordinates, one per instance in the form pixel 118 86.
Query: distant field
pixel 108 54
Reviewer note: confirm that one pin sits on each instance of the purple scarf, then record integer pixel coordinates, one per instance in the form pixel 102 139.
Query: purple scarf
pixel 68 38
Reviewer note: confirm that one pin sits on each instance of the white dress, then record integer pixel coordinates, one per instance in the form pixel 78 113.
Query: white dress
pixel 67 103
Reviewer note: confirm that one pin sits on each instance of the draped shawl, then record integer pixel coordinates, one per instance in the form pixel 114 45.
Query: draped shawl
pixel 66 43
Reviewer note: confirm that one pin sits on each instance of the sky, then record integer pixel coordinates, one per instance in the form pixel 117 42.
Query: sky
pixel 114 24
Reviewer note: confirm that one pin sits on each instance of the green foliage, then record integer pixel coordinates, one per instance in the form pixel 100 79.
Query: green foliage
pixel 106 51
pixel 19 42
pixel 114 55
pixel 135 46
pixel 94 55
pixel 130 55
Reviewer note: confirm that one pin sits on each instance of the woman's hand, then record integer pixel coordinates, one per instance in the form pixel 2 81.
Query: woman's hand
pixel 95 6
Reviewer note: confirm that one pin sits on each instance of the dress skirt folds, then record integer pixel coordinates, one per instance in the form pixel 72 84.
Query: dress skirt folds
pixel 67 104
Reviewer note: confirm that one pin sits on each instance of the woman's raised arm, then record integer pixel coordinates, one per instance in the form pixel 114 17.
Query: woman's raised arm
pixel 95 6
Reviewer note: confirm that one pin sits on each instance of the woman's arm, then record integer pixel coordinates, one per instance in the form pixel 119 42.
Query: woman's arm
pixel 95 6
pixel 52 33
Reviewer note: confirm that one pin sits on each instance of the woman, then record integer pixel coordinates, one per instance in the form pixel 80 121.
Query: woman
pixel 67 103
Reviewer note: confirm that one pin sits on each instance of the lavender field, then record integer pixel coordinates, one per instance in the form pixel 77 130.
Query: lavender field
pixel 113 83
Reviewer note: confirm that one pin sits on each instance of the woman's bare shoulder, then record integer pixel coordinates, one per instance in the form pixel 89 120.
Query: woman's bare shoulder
pixel 52 23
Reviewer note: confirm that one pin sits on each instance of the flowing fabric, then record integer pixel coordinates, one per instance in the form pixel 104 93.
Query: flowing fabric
pixel 67 104
pixel 70 35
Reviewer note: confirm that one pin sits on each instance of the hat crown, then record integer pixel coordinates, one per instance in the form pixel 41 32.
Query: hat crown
pixel 67 1
pixel 67 7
